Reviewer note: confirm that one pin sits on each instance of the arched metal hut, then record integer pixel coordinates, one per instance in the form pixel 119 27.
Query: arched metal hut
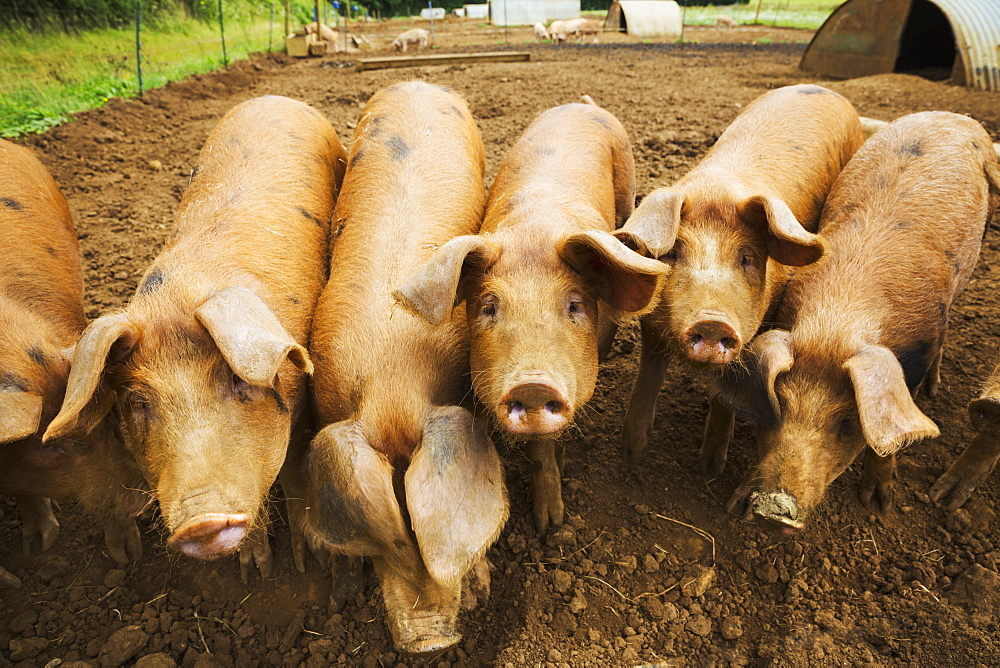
pixel 940 39
pixel 645 18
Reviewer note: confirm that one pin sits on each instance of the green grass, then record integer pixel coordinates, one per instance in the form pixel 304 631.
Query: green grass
pixel 808 14
pixel 46 77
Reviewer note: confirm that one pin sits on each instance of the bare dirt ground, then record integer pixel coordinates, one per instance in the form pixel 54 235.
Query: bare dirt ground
pixel 916 586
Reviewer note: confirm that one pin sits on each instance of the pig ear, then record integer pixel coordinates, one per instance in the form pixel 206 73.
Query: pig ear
pixel 744 385
pixel 105 344
pixel 626 280
pixel 20 414
pixel 249 335
pixel 889 418
pixel 993 175
pixel 455 493
pixel 787 241
pixel 651 230
pixel 351 506
pixel 434 291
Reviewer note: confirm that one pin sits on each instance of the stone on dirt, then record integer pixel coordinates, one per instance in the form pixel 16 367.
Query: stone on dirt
pixel 158 660
pixel 697 580
pixel 26 648
pixel 122 646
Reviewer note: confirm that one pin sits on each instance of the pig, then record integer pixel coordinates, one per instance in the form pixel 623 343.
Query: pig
pixel 402 471
pixel 41 299
pixel 544 283
pixel 730 229
pixel 860 333
pixel 418 37
pixel 589 28
pixel 562 29
pixel 540 32
pixel 206 365
pixel 725 21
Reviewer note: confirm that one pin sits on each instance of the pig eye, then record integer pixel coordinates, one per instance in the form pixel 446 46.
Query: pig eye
pixel 241 389
pixel 489 308
pixel 575 306
pixel 845 429
pixel 670 257
pixel 747 258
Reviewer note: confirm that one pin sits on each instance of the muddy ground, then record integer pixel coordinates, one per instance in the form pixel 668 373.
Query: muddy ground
pixel 917 586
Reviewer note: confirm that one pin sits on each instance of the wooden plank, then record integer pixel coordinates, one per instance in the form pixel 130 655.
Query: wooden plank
pixel 443 59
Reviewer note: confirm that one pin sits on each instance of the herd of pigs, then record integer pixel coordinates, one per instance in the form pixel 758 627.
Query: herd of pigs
pixel 362 326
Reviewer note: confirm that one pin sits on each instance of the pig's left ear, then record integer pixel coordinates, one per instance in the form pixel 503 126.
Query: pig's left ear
pixel 787 241
pixel 626 280
pixel 249 335
pixel 889 418
pixel 20 414
pixel 651 230
pixel 744 385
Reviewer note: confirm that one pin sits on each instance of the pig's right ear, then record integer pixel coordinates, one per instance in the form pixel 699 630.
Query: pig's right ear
pixel 890 419
pixel 20 414
pixel 434 290
pixel 742 386
pixel 105 343
pixel 651 230
pixel 787 241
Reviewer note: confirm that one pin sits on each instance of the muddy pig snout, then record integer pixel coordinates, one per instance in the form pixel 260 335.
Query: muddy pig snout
pixel 534 407
pixel 777 510
pixel 711 340
pixel 207 530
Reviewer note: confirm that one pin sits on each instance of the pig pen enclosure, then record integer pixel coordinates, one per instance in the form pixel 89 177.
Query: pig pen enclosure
pixel 649 568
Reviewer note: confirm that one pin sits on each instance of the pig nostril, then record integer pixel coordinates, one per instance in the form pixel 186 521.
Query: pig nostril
pixel 515 407
pixel 553 407
pixel 728 343
pixel 695 339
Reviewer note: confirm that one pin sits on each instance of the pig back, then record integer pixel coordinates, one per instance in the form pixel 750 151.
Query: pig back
pixel 791 143
pixel 574 162
pixel 414 182
pixel 260 204
pixel 904 221
pixel 40 270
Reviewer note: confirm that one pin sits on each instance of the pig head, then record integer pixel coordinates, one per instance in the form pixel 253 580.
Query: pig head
pixel 426 528
pixel 203 387
pixel 815 412
pixel 532 305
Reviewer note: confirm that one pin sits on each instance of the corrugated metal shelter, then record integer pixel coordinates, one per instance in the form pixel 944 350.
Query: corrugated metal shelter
pixel 527 12
pixel 645 18
pixel 939 39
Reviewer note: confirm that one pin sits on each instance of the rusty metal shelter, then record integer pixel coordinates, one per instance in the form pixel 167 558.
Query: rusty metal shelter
pixel 937 39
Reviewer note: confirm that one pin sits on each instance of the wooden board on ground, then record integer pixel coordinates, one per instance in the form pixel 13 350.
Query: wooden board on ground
pixel 442 59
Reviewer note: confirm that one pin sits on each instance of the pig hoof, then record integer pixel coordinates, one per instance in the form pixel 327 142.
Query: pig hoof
pixel 123 541
pixel 432 642
pixel 955 488
pixel 39 527
pixel 633 446
pixel 348 580
pixel 881 493
pixel 548 512
pixel 476 585
pixel 711 464
pixel 8 579
pixel 258 552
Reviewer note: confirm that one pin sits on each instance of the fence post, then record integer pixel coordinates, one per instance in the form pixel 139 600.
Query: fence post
pixel 270 30
pixel 430 9
pixel 222 32
pixel 138 43
pixel 288 18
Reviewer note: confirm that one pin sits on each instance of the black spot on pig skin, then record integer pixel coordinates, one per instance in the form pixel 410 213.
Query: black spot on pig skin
pixel 356 157
pixel 915 361
pixel 400 149
pixel 913 149
pixel 152 283
pixel 440 442
pixel 12 382
pixel 293 300
pixel 51 251
pixel 279 402
pixel 811 90
pixel 37 356
pixel 11 203
pixel 308 216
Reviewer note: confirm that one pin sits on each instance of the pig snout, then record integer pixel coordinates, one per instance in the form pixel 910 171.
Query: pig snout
pixel 711 340
pixel 423 635
pixel 207 528
pixel 777 510
pixel 534 407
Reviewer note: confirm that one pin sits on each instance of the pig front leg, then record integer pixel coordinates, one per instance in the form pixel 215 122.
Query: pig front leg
pixel 968 471
pixel 122 538
pixel 256 549
pixel 877 480
pixel 546 456
pixel 718 434
pixel 39 527
pixel 653 360
pixel 933 380
pixel 294 481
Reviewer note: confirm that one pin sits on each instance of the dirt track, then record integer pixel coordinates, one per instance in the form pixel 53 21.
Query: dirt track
pixel 856 587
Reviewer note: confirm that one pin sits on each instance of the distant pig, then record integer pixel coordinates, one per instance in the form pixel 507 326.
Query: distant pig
pixel 326 33
pixel 730 229
pixel 41 302
pixel 861 332
pixel 206 364
pixel 545 282
pixel 589 28
pixel 540 32
pixel 402 472
pixel 418 37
